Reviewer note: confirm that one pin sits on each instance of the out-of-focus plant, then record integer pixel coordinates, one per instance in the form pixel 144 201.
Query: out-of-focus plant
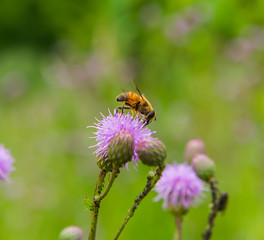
pixel 181 186
pixel 71 233
pixel 6 163
pixel 205 169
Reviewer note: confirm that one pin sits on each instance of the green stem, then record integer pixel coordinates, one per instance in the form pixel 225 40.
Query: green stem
pixel 178 231
pixel 99 197
pixel 214 191
pixel 96 204
pixel 152 180
pixel 100 182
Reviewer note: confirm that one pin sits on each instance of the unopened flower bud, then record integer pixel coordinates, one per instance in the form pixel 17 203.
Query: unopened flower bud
pixel 71 233
pixel 104 164
pixel 151 151
pixel 121 148
pixel 193 147
pixel 203 166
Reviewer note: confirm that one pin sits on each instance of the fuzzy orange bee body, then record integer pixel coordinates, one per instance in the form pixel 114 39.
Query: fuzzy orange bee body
pixel 138 104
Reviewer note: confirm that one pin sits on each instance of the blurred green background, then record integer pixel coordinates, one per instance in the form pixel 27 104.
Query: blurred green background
pixel 200 63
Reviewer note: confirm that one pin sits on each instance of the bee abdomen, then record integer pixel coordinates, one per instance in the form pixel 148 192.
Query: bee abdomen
pixel 122 97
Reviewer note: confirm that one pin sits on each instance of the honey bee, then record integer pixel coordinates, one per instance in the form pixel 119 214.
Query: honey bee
pixel 138 105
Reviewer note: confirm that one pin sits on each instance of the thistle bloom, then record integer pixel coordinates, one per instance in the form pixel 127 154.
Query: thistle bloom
pixel 112 124
pixel 6 162
pixel 179 187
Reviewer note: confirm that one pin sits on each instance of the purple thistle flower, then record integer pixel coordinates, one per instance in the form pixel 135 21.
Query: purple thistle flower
pixel 6 162
pixel 112 124
pixel 178 186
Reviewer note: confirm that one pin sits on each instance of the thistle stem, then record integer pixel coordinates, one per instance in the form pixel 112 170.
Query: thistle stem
pixel 151 181
pixel 214 191
pixel 99 196
pixel 96 204
pixel 178 231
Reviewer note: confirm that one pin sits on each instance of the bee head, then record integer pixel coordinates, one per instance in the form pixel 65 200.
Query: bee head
pixel 150 117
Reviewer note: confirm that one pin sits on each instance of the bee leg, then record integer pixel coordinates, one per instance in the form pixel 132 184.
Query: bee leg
pixel 138 115
pixel 141 117
pixel 122 108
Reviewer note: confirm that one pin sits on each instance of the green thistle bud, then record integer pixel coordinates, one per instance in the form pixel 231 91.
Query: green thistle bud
pixel 203 166
pixel 151 151
pixel 178 210
pixel 71 233
pixel 121 148
pixel 193 147
pixel 104 164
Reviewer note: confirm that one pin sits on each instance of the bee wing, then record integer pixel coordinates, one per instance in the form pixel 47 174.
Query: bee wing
pixel 124 90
